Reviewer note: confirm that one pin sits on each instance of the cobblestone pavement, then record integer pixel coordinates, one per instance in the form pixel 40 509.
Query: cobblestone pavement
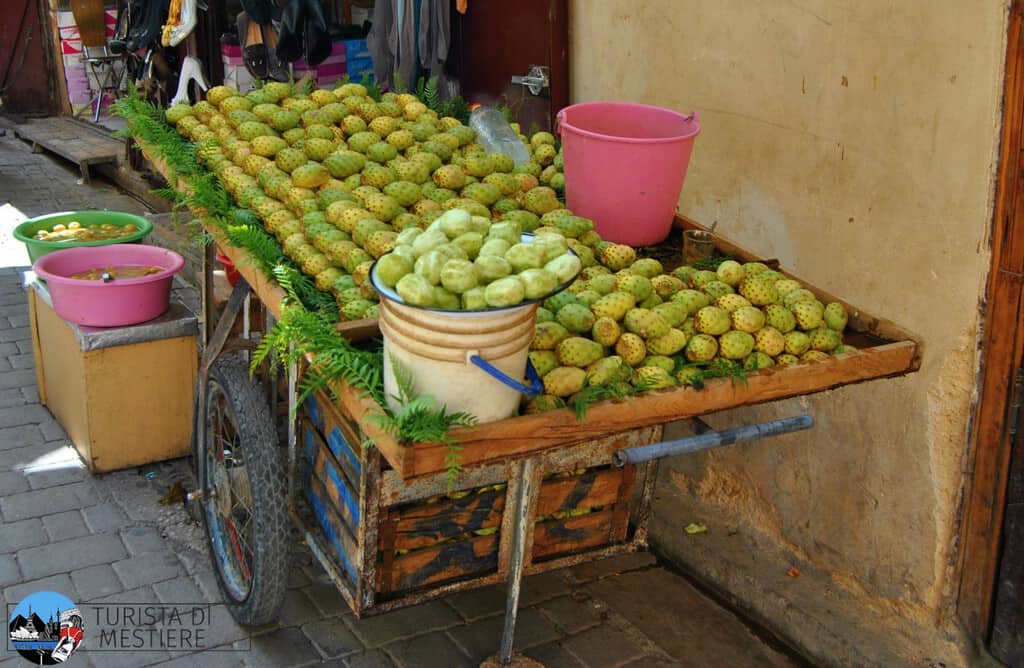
pixel 108 539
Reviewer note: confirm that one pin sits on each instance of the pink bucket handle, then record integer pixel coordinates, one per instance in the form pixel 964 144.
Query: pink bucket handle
pixel 692 117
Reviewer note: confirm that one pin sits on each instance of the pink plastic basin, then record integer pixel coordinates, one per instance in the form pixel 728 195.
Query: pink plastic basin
pixel 122 301
pixel 624 167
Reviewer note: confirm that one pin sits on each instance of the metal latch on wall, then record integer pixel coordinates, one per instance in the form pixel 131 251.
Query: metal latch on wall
pixel 535 81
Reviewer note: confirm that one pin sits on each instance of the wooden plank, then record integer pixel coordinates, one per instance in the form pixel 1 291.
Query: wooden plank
pixel 446 562
pixel 324 466
pixel 593 488
pixel 989 447
pixel 624 505
pixel 334 529
pixel 573 534
pixel 860 321
pixel 347 457
pixel 37 354
pixel 529 434
pixel 428 524
pixel 71 140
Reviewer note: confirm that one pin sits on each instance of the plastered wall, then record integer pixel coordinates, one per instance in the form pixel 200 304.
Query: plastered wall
pixel 856 142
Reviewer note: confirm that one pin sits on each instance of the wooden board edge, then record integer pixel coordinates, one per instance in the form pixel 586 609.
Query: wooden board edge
pixel 528 434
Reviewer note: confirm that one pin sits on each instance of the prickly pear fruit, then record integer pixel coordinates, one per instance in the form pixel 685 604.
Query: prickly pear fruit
pixel 769 341
pixel 712 320
pixel 613 305
pixel 631 348
pixel 701 348
pixel 606 331
pixel 564 381
pixel 645 323
pixel 667 344
pixel 576 318
pixel 747 319
pixel 578 351
pixel 835 316
pixel 547 335
pixel 735 345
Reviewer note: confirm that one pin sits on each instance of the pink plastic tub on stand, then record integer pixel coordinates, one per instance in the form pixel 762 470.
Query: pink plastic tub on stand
pixel 624 167
pixel 122 301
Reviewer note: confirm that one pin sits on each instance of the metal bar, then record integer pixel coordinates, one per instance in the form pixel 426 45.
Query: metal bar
pixel 713 439
pixel 643 512
pixel 523 525
pixel 369 526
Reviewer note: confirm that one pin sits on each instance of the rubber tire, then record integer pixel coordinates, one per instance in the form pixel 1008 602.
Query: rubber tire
pixel 268 486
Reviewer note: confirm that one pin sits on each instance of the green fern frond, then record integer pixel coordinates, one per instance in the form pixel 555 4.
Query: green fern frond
pixel 399 83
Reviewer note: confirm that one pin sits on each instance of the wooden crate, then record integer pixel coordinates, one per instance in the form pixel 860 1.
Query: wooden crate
pixel 389 544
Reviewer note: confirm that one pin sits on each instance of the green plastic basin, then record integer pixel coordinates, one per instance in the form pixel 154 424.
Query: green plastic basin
pixel 36 249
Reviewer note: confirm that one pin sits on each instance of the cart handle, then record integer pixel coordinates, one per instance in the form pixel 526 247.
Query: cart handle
pixel 712 439
pixel 533 389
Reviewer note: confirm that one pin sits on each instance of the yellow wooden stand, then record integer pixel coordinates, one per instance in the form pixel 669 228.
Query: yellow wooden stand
pixel 121 404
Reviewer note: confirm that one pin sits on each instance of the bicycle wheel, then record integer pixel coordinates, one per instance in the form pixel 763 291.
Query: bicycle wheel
pixel 244 508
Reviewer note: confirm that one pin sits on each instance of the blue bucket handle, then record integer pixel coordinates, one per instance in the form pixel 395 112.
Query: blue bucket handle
pixel 533 389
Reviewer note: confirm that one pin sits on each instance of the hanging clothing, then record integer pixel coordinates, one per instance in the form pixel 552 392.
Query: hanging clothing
pixel 435 36
pixel 392 42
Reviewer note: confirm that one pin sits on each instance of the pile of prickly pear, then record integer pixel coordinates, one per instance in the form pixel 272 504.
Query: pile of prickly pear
pixel 342 179
pixel 464 262
pixel 628 325
pixel 336 175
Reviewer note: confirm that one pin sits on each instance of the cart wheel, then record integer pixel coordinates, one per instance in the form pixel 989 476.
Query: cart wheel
pixel 244 507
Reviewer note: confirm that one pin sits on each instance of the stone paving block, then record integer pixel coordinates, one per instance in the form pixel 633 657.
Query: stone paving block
pixel 282 648
pixel 9 573
pixel 215 657
pixel 64 556
pixel 482 638
pixel 298 609
pixel 19 429
pixel 603 645
pixel 16 536
pixel 297 579
pixel 146 569
pixel 104 517
pixel 71 472
pixel 434 649
pixel 18 334
pixel 47 501
pixel 541 587
pixel 418 619
pixel 60 583
pixel 651 662
pixel 12 482
pixel 603 568
pixel 64 526
pixel 332 638
pixel 119 659
pixel 96 581
pixel 8 348
pixel 5 364
pixel 30 393
pixel 12 397
pixel 137 596
pixel 373 658
pixel 224 630
pixel 552 654
pixel 24 347
pixel 18 320
pixel 141 540
pixel 478 603
pixel 207 581
pixel 51 429
pixel 327 598
pixel 21 361
pixel 572 616
pixel 181 589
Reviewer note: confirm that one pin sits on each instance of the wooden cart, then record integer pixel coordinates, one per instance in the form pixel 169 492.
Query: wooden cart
pixel 538 492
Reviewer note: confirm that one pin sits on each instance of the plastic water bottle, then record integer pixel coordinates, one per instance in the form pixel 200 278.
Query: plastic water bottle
pixel 495 134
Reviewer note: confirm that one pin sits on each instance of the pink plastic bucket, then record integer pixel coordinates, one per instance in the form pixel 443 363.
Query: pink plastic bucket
pixel 122 301
pixel 624 167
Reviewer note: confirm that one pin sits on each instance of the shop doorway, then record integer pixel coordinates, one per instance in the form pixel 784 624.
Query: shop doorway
pixel 990 600
pixel 496 41
pixel 24 71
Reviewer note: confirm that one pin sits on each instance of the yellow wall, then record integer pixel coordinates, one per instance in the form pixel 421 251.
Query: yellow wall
pixel 856 143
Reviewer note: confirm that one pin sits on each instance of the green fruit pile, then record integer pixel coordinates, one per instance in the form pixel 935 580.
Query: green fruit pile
pixel 342 180
pixel 464 262
pixel 627 324
pixel 337 176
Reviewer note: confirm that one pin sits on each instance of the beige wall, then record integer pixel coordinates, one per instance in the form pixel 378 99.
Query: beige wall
pixel 856 143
